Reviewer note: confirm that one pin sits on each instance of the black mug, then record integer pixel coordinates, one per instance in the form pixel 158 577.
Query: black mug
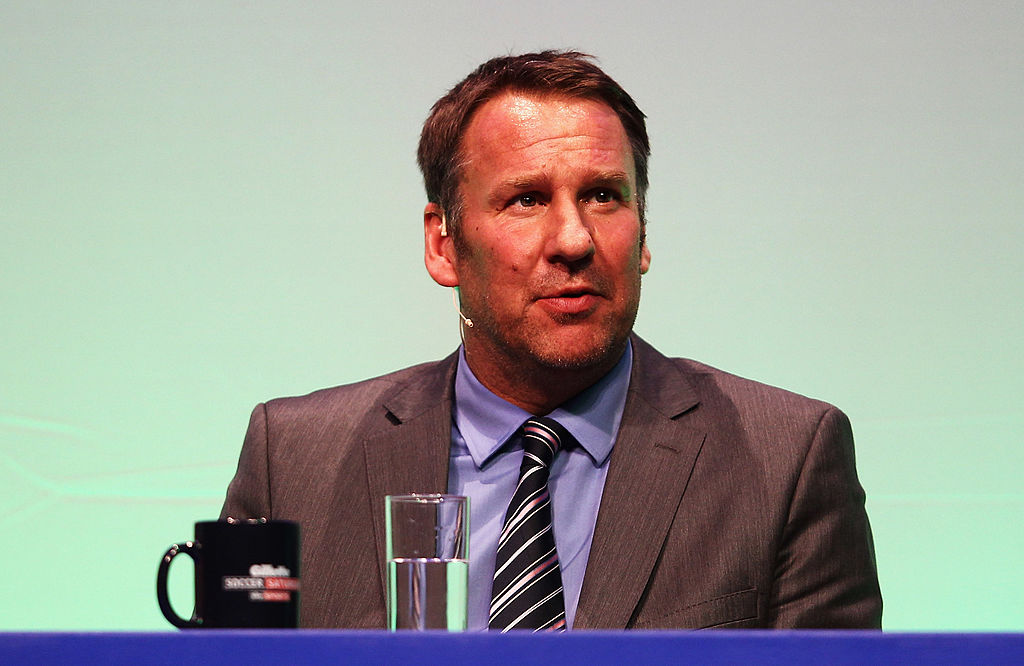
pixel 247 575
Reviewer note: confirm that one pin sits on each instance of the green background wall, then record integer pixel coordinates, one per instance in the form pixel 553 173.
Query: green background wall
pixel 208 204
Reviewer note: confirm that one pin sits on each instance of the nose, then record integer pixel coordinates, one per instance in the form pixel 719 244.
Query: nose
pixel 569 237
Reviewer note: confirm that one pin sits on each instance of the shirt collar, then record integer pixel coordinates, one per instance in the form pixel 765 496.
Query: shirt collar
pixel 486 421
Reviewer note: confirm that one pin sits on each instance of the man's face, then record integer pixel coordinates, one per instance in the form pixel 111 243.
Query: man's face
pixel 550 249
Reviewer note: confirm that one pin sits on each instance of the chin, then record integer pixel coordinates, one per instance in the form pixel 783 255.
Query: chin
pixel 580 356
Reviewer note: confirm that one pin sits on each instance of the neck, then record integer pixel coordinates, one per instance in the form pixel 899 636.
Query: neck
pixel 534 387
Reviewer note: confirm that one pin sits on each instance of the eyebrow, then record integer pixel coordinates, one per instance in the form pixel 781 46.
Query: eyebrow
pixel 612 178
pixel 516 184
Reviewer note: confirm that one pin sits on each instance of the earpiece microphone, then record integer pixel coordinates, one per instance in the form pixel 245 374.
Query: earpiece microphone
pixel 455 302
pixel 466 321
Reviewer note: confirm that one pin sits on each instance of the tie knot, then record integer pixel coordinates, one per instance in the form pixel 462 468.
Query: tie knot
pixel 543 437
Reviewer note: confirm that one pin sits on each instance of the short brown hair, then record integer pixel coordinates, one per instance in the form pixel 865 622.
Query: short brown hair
pixel 568 73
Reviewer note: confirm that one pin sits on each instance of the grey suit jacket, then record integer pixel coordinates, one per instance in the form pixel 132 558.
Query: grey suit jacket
pixel 728 503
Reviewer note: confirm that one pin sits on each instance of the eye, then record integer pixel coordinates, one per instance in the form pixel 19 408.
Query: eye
pixel 603 195
pixel 525 200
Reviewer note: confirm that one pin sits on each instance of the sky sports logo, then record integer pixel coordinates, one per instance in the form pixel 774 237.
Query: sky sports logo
pixel 265 582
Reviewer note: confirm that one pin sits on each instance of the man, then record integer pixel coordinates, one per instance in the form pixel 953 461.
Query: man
pixel 680 496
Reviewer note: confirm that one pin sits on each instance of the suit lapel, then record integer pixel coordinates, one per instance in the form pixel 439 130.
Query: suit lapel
pixel 411 454
pixel 649 470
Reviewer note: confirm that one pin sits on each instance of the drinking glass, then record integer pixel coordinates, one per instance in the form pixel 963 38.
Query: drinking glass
pixel 428 566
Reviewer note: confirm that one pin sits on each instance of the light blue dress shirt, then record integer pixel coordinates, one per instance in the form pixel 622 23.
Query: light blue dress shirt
pixel 486 471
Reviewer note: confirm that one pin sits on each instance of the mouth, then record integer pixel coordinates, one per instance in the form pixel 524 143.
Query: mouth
pixel 572 302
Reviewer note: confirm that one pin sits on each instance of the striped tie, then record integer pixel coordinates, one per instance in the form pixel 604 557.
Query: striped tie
pixel 527 590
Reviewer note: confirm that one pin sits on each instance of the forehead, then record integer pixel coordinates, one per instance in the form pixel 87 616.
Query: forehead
pixel 519 127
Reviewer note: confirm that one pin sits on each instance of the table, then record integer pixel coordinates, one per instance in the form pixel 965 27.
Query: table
pixel 590 648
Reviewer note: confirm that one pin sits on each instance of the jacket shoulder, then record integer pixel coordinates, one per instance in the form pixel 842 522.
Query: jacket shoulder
pixel 735 408
pixel 402 392
pixel 678 385
pixel 711 379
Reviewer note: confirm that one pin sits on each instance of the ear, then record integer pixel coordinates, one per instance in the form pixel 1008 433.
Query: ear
pixel 645 258
pixel 438 248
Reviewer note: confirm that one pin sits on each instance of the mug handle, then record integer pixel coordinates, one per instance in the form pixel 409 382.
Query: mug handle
pixel 191 549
